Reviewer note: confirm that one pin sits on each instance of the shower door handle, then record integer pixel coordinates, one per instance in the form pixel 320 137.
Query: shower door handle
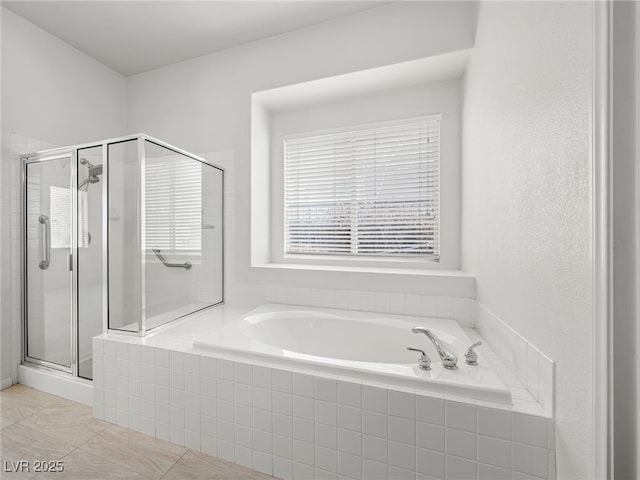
pixel 44 264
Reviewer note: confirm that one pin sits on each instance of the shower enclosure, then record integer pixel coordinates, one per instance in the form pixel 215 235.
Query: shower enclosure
pixel 122 235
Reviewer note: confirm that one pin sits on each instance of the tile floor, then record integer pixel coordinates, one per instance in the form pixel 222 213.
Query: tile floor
pixel 36 426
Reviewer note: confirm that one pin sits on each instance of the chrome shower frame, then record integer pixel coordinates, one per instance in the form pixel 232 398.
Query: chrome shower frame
pixel 72 154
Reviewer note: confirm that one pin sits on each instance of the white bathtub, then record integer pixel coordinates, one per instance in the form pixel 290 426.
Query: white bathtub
pixel 361 345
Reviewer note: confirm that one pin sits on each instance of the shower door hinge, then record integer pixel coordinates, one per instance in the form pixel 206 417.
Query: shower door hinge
pixel 71 262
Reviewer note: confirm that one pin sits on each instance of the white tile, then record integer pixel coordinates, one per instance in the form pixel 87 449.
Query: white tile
pixel 192 441
pixel 461 444
pixel 304 452
pixel 176 361
pixel 243 436
pixel 282 468
pixel 461 416
pixel 243 394
pixel 225 411
pixel 261 377
pixel 398 473
pixel 209 445
pixel 262 420
pixel 301 470
pixel 326 389
pixel 349 465
pixel 489 472
pixel 350 394
pixel 326 459
pixel 243 415
pixel 529 459
pixel 430 463
pixel 303 430
pixel 350 418
pixel 283 447
pixel 162 358
pixel 262 441
pixel 283 424
pixel 494 451
pixel 460 469
pixel 402 404
pixel 243 373
pixel 262 398
pixel 402 455
pixel 282 403
pixel 430 410
pixel 263 462
pixel 495 423
pixel 176 379
pixel 350 442
pixel 374 399
pixel 529 429
pixel 224 389
pixel 326 412
pixel 243 456
pixel 192 384
pixel 402 430
pixel 225 369
pixel 192 422
pixel 282 381
pixel 374 423
pixel 303 407
pixel 209 367
pixel 374 448
pixel 192 364
pixel 372 470
pixel 430 436
pixel 208 405
pixel 326 436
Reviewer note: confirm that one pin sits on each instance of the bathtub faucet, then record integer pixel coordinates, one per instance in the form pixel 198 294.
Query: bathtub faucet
pixel 449 359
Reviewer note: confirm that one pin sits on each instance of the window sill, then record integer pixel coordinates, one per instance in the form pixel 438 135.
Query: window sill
pixel 452 283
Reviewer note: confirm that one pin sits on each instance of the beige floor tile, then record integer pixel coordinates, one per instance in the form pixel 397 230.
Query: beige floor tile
pixel 5 422
pixel 72 422
pixel 82 465
pixel 19 442
pixel 141 453
pixel 18 402
pixel 198 466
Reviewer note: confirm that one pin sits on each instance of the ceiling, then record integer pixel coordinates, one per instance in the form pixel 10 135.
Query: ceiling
pixel 136 36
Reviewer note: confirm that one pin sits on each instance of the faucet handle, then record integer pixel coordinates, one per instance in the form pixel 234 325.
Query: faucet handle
pixel 471 357
pixel 424 362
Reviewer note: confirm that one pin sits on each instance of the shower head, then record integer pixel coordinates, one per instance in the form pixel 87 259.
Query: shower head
pixel 84 161
pixel 94 171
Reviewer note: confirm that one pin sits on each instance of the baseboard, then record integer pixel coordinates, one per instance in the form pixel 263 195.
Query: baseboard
pixel 6 383
pixel 57 383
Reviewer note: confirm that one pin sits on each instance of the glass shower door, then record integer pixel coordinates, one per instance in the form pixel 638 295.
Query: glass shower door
pixel 48 278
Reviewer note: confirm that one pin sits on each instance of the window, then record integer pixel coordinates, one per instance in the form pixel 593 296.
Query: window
pixel 60 206
pixel 173 204
pixel 364 191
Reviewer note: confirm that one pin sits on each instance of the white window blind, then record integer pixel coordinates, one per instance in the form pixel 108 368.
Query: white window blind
pixel 60 217
pixel 366 191
pixel 173 204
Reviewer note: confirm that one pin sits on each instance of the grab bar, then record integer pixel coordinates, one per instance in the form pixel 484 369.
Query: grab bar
pixel 186 265
pixel 44 264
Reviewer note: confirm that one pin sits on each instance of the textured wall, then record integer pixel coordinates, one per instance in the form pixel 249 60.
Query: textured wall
pixel 526 198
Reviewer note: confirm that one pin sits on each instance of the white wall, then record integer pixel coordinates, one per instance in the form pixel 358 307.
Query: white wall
pixel 54 95
pixel 204 105
pixel 526 196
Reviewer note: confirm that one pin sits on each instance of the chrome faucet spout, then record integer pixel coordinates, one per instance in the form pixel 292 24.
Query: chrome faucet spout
pixel 449 359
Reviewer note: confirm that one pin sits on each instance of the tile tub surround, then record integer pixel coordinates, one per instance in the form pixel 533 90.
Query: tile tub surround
pixel 533 368
pixel 294 424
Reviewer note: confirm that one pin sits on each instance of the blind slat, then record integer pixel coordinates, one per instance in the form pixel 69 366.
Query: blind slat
pixel 368 191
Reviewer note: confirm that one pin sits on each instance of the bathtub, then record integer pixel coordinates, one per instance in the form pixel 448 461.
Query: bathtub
pixel 365 346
